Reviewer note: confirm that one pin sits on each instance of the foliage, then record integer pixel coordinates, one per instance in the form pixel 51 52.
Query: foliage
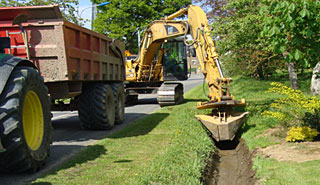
pixel 293 107
pixel 239 42
pixel 301 134
pixel 258 100
pixel 122 19
pixel 214 7
pixel 313 119
pixel 292 28
pixel 67 7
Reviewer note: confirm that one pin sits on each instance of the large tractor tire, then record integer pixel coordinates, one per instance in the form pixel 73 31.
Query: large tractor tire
pixel 120 98
pixel 97 107
pixel 25 121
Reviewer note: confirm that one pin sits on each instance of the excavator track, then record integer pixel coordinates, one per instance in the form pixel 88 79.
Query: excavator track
pixel 170 93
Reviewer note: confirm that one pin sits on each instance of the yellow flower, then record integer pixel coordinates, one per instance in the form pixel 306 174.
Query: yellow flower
pixel 301 134
pixel 293 103
pixel 277 115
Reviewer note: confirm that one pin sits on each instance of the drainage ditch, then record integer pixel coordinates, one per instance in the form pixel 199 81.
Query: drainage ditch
pixel 231 165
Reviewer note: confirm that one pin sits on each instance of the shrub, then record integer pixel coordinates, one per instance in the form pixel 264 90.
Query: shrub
pixel 301 134
pixel 313 119
pixel 294 108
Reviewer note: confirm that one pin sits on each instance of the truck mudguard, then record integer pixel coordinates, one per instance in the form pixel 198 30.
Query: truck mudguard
pixel 7 64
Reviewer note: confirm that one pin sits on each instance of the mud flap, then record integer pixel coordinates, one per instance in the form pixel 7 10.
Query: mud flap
pixel 223 130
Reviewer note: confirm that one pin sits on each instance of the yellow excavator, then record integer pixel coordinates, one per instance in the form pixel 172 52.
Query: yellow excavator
pixel 163 61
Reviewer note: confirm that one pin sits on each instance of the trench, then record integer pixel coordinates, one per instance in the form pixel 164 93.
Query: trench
pixel 230 165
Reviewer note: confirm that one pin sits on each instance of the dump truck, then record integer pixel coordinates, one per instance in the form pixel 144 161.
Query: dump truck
pixel 45 59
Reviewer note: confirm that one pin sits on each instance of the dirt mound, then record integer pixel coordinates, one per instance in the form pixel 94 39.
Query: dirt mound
pixel 284 151
pixel 296 152
pixel 232 165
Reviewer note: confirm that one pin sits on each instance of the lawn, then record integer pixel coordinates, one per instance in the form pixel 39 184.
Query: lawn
pixel 268 170
pixel 171 147
pixel 167 147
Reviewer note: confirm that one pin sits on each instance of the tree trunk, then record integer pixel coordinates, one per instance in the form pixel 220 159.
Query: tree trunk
pixel 293 76
pixel 315 81
pixel 259 70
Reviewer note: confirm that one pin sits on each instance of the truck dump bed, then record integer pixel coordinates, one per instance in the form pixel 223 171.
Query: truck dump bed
pixel 61 50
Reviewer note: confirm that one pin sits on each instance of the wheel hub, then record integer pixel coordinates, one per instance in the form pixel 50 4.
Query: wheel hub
pixel 33 123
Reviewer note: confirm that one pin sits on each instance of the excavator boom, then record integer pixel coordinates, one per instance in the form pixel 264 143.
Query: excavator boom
pixel 222 122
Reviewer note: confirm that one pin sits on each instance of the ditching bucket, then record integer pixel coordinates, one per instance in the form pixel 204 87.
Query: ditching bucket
pixel 223 130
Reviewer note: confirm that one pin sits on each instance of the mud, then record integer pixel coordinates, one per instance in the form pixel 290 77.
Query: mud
pixel 231 165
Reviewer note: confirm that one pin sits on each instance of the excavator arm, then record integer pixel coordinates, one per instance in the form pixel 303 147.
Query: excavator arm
pixel 223 122
pixel 219 93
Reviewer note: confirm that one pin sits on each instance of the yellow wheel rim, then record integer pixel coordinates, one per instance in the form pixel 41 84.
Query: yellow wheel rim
pixel 32 120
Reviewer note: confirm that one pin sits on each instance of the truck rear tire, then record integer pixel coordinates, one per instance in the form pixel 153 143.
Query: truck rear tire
pixel 120 98
pixel 25 121
pixel 97 107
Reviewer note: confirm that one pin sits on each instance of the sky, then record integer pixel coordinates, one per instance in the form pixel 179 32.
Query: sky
pixel 86 13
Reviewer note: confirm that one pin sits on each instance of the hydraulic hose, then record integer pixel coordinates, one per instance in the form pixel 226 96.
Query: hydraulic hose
pixel 185 36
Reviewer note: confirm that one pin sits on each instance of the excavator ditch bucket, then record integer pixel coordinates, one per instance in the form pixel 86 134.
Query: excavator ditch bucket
pixel 223 130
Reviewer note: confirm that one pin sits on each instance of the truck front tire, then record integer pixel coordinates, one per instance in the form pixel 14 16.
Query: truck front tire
pixel 25 121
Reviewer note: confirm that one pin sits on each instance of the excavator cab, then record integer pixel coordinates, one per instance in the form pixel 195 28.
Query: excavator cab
pixel 174 60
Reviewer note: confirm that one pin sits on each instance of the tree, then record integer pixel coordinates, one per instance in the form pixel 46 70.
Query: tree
pixel 239 43
pixel 292 28
pixel 67 7
pixel 122 19
pixel 214 8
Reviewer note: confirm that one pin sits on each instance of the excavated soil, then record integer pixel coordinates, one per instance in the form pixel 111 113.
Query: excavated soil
pixel 231 165
pixel 284 151
pixel 295 152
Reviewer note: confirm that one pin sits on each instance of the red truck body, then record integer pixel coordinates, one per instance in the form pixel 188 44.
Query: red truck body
pixel 62 51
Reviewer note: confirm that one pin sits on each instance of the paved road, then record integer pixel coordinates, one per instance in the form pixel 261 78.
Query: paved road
pixel 69 138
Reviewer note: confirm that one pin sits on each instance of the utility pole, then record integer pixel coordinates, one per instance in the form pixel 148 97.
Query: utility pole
pixel 94 9
pixel 93 15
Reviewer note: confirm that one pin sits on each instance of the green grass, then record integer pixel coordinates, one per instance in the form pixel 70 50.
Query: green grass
pixel 270 171
pixel 167 147
pixel 258 100
pixel 171 147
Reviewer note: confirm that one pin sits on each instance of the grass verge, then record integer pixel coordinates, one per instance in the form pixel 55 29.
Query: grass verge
pixel 268 170
pixel 171 147
pixel 167 147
